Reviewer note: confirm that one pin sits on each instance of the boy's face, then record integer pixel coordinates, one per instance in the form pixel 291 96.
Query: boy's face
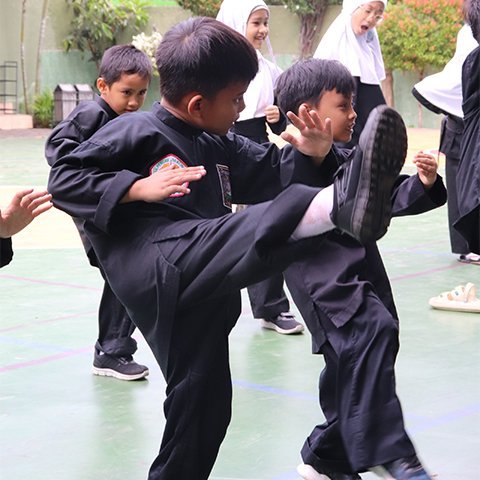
pixel 339 109
pixel 257 28
pixel 218 114
pixel 126 94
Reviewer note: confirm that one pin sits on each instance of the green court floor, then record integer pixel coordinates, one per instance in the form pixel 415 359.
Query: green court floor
pixel 60 422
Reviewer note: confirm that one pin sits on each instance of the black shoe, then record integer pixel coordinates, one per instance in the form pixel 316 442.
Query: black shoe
pixel 307 472
pixel 363 186
pixel 408 468
pixel 123 368
pixel 284 323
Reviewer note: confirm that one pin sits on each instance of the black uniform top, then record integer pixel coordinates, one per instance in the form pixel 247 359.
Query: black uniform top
pixel 468 177
pixel 6 252
pixel 88 117
pixel 338 275
pixel 89 182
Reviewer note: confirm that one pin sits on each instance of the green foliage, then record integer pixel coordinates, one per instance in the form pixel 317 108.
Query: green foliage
pixel 204 8
pixel 96 24
pixel 43 109
pixel 419 33
pixel 311 14
pixel 305 7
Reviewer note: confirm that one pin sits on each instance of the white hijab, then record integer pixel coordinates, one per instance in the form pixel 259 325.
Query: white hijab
pixel 259 95
pixel 360 54
pixel 444 89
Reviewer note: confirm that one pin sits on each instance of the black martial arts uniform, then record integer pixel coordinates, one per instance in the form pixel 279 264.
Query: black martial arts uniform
pixel 115 327
pixel 178 266
pixel 6 252
pixel 450 141
pixel 468 180
pixel 267 298
pixel 344 296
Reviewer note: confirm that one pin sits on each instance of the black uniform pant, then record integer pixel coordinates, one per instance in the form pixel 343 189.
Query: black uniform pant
pixel 115 328
pixel 268 298
pixel 181 285
pixel 450 140
pixel 364 421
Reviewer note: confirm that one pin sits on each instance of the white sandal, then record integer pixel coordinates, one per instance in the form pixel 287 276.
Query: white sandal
pixel 462 299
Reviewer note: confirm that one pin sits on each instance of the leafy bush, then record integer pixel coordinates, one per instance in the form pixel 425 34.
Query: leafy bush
pixel 420 33
pixel 43 109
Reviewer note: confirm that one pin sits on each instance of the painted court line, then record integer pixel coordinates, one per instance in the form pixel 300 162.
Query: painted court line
pixel 424 272
pixel 48 282
pixel 43 322
pixel 42 360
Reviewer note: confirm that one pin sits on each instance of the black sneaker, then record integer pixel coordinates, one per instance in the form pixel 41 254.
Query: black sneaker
pixel 123 368
pixel 408 468
pixel 284 323
pixel 363 186
pixel 307 472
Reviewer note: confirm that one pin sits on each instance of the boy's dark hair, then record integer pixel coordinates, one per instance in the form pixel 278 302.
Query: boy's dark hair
pixel 307 81
pixel 203 55
pixel 124 59
pixel 471 11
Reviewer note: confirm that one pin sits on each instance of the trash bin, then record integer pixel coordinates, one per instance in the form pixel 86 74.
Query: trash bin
pixel 65 100
pixel 84 92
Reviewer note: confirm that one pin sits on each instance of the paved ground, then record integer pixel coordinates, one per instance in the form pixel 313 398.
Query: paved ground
pixel 58 421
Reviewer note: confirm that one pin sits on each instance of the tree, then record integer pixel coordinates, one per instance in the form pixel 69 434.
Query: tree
pixel 204 8
pixel 41 36
pixel 22 56
pixel 97 23
pixel 311 14
pixel 417 34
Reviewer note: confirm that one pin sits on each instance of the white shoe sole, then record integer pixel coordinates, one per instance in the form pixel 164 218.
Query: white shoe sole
pixel 108 372
pixel 271 326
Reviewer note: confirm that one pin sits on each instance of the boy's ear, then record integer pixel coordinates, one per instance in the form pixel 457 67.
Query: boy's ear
pixel 194 105
pixel 307 105
pixel 101 85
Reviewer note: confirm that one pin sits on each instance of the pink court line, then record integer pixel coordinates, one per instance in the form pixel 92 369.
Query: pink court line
pixel 39 361
pixel 41 322
pixel 424 272
pixel 47 282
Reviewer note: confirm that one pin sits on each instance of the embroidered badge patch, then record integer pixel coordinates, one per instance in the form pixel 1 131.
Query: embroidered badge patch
pixel 224 176
pixel 172 161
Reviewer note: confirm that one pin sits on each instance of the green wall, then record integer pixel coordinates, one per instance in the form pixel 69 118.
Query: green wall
pixel 73 67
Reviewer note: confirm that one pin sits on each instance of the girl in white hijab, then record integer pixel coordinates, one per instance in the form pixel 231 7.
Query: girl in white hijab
pixel 250 18
pixel 352 39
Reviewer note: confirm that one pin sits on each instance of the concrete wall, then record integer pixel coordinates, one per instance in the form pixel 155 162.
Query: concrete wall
pixel 73 67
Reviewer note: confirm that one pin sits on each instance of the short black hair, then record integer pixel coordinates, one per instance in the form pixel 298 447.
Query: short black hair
pixel 471 9
pixel 203 55
pixel 124 59
pixel 307 80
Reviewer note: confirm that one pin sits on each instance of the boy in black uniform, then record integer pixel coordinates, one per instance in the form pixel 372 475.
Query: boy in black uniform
pixel 20 212
pixel 344 295
pixel 178 263
pixel 124 76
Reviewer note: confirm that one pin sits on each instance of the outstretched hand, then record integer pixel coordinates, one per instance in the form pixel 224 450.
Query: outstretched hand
pixel 24 207
pixel 164 183
pixel 315 137
pixel 427 166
